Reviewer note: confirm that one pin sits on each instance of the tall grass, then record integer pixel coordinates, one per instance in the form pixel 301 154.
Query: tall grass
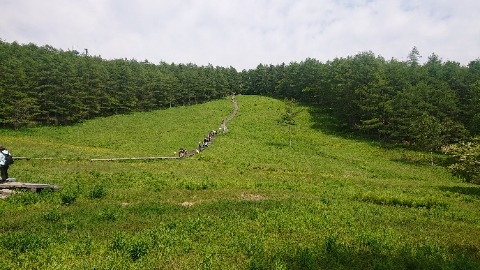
pixel 247 202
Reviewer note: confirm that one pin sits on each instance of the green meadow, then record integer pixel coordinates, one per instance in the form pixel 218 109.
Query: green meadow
pixel 332 200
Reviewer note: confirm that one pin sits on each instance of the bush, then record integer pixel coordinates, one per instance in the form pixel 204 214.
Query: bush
pixel 21 242
pixel 134 246
pixel 465 159
pixel 68 197
pixel 53 216
pixel 97 192
pixel 396 200
pixel 108 214
pixel 24 198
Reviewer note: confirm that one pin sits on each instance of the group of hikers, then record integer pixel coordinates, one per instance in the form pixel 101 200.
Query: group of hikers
pixel 183 152
pixel 211 135
pixel 209 138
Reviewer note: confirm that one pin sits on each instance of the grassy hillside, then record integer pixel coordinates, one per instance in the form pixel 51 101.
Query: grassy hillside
pixel 248 202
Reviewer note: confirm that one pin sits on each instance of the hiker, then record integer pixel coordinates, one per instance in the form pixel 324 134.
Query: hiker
pixel 205 142
pixel 223 127
pixel 182 152
pixel 5 161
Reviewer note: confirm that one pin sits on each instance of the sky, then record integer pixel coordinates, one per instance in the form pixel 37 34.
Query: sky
pixel 245 33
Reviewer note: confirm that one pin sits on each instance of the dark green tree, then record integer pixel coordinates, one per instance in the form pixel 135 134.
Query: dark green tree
pixel 427 131
pixel 414 56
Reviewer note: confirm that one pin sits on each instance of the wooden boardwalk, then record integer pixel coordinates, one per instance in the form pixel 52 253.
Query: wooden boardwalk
pixel 29 186
pixel 131 158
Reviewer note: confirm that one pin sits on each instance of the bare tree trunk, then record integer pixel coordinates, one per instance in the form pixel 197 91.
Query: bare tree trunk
pixel 290 135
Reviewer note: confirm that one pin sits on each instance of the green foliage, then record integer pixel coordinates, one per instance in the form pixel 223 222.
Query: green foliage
pixel 197 185
pixel 68 197
pixel 368 254
pixel 109 214
pixel 24 198
pixel 134 246
pixel 21 242
pixel 395 200
pixel 248 201
pixel 466 159
pixel 97 192
pixel 53 216
pixel 396 102
pixel 287 118
pixel 47 86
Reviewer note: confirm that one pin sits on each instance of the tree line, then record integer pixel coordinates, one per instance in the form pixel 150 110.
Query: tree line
pixel 47 86
pixel 434 106
pixel 420 105
pixel 426 105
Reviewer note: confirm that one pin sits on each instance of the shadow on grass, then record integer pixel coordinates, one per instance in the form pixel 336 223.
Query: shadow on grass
pixel 419 158
pixel 371 255
pixel 326 122
pixel 329 124
pixel 278 145
pixel 473 191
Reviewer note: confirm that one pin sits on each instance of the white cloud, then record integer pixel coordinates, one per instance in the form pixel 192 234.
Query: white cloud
pixel 246 33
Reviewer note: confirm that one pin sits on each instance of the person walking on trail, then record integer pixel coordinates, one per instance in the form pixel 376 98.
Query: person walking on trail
pixel 223 126
pixel 5 161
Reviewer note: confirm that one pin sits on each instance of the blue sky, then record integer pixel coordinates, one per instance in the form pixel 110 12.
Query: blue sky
pixel 245 33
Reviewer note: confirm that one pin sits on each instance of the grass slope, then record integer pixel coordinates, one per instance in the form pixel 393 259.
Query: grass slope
pixel 249 201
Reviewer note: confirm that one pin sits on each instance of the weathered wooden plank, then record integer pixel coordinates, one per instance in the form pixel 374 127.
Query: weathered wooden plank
pixel 28 158
pixel 31 186
pixel 131 158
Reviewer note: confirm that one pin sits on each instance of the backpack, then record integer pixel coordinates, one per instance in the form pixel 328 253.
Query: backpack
pixel 8 159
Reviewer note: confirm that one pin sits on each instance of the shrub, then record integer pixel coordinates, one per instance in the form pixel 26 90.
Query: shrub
pixel 52 216
pixel 390 200
pixel 108 214
pixel 137 247
pixel 22 241
pixel 24 198
pixel 97 192
pixel 466 159
pixel 68 198
pixel 134 246
pixel 197 185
